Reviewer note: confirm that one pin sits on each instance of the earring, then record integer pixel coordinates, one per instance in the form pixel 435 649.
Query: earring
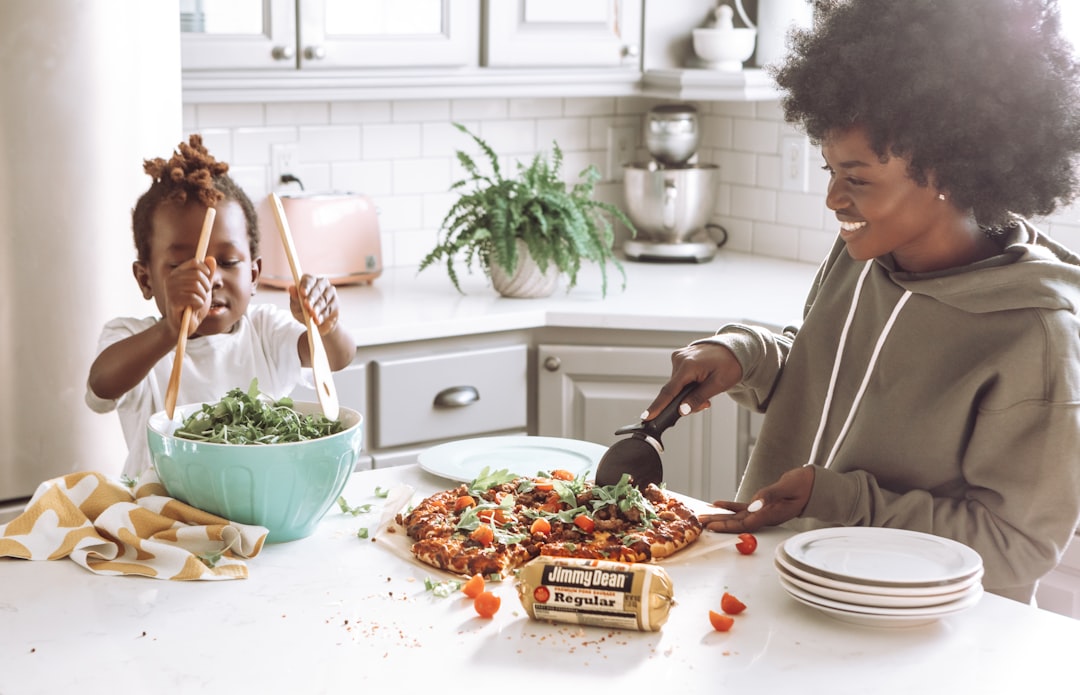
pixel 941 196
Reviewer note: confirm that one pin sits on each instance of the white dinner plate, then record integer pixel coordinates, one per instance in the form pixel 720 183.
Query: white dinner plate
pixel 882 617
pixel 784 563
pixel 463 460
pixel 884 557
pixel 873 600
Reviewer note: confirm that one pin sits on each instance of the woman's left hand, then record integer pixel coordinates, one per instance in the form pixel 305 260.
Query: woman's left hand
pixel 320 298
pixel 774 504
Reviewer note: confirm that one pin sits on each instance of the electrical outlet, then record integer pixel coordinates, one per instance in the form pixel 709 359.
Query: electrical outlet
pixel 620 150
pixel 283 160
pixel 794 160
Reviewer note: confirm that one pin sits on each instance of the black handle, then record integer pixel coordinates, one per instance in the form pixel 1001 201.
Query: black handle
pixel 665 419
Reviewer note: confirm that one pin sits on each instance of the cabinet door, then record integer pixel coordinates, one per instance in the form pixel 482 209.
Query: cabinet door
pixel 389 33
pixel 237 34
pixel 563 33
pixel 587 392
pixel 328 34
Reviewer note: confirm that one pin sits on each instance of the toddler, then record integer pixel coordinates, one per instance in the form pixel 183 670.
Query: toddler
pixel 231 341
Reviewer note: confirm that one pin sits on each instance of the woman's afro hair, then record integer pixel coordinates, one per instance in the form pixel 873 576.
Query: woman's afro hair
pixel 191 173
pixel 983 95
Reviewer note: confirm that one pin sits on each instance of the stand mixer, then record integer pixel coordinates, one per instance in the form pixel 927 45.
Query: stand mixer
pixel 669 199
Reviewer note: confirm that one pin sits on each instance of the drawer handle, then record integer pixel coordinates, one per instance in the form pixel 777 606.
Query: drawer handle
pixel 456 397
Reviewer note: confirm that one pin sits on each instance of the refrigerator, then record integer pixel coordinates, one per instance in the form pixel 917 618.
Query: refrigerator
pixel 89 89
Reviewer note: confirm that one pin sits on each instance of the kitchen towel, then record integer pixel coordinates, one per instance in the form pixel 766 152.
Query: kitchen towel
pixel 111 529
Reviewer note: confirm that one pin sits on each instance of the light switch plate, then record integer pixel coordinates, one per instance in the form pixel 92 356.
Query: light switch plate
pixel 794 160
pixel 284 159
pixel 620 150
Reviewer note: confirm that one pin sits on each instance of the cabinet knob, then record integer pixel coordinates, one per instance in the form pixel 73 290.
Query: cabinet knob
pixel 552 363
pixel 456 397
pixel 630 50
pixel 283 52
pixel 315 52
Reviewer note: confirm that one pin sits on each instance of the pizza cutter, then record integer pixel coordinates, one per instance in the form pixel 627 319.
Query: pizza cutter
pixel 639 454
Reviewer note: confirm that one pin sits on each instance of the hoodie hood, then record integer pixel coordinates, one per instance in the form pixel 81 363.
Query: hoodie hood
pixel 1033 271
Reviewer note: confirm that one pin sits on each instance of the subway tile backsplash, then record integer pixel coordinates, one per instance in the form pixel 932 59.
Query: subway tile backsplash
pixel 401 154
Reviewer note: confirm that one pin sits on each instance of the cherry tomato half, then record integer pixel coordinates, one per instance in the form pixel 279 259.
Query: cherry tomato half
pixel 747 543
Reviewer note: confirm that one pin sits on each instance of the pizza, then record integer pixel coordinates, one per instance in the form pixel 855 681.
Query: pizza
pixel 500 521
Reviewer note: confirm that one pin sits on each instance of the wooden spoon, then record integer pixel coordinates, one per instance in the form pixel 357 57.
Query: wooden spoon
pixel 320 365
pixel 185 321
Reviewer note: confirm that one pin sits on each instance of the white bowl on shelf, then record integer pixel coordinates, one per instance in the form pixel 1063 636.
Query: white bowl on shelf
pixel 724 49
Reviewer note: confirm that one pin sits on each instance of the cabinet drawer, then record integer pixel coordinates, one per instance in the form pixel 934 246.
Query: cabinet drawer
pixel 449 395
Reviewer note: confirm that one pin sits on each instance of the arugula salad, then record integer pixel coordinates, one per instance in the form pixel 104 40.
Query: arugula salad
pixel 252 418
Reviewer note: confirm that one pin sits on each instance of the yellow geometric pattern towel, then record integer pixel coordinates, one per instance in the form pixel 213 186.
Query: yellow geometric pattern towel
pixel 108 529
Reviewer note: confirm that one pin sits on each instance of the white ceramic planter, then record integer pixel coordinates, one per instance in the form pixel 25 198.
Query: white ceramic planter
pixel 527 281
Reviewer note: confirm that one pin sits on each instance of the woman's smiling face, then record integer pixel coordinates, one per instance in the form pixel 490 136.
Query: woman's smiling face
pixel 882 210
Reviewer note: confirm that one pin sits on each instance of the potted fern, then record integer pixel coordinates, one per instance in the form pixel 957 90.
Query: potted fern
pixel 526 231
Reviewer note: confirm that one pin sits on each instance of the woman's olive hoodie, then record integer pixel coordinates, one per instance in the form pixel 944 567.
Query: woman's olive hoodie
pixel 944 402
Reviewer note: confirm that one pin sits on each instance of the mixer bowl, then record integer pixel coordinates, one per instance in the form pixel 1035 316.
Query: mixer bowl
pixel 669 205
pixel 672 134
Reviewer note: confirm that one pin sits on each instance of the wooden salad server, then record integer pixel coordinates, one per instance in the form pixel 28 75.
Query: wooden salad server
pixel 185 321
pixel 320 365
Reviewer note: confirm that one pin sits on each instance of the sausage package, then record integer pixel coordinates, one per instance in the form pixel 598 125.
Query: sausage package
pixel 596 592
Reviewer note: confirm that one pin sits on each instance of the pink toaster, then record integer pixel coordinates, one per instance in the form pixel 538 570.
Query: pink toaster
pixel 335 234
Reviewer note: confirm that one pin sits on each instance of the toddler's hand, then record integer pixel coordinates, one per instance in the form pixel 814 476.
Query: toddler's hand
pixel 320 298
pixel 189 285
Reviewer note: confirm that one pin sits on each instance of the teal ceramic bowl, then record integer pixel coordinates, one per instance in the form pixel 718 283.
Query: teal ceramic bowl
pixel 285 487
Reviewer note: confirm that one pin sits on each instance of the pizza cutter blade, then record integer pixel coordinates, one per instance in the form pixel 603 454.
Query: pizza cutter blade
pixel 639 455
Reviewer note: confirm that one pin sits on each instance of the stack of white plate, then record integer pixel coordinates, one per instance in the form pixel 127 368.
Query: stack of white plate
pixel 880 576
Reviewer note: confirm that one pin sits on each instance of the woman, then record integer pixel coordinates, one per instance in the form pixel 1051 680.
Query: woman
pixel 934 384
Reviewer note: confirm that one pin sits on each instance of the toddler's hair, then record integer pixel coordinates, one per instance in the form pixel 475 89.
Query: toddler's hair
pixel 191 171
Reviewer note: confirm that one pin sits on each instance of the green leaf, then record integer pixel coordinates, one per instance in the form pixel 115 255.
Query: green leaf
pixel 442 589
pixel 355 511
pixel 489 479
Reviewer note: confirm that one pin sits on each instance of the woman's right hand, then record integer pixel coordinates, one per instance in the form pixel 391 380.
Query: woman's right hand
pixel 711 365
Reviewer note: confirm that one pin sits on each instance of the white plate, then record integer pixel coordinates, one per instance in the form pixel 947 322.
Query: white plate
pixel 784 563
pixel 463 460
pixel 884 557
pixel 877 600
pixel 882 617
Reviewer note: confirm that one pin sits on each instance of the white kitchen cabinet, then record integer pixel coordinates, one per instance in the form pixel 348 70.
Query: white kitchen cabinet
pixel 436 395
pixel 351 384
pixel 588 391
pixel 418 394
pixel 563 33
pixel 313 35
pixel 258 51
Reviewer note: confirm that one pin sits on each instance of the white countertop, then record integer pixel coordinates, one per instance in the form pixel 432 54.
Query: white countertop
pixel 331 613
pixel 403 305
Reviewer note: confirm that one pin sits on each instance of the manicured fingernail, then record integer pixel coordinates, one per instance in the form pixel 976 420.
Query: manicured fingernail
pixel 755 506
pixel 684 409
pixel 644 414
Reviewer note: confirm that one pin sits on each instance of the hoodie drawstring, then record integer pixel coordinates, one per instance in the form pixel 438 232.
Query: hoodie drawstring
pixel 836 369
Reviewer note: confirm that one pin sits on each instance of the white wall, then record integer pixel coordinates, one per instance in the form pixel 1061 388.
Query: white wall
pixel 401 153
pixel 88 89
